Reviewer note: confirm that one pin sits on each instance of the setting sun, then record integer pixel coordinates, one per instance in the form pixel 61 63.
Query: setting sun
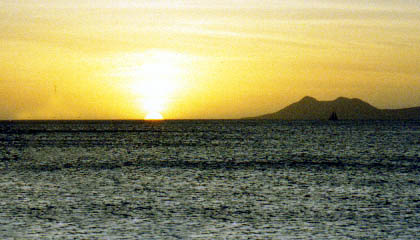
pixel 154 116
pixel 153 79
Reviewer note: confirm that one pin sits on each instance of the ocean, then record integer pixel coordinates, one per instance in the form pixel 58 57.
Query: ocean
pixel 210 179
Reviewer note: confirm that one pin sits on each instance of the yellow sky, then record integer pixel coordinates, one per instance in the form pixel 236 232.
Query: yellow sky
pixel 106 59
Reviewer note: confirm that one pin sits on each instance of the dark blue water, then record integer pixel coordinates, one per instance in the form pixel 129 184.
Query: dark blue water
pixel 210 179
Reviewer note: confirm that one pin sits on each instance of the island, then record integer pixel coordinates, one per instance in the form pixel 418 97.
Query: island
pixel 309 108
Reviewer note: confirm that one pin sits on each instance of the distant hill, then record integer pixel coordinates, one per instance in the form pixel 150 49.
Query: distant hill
pixel 308 108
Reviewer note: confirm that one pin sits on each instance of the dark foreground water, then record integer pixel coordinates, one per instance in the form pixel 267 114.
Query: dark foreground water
pixel 210 180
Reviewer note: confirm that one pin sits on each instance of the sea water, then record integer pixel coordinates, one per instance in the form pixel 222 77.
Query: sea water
pixel 210 180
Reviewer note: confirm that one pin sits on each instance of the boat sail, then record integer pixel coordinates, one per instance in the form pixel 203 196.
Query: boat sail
pixel 333 117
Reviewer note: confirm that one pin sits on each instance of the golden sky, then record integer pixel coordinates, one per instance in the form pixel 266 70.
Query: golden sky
pixel 119 59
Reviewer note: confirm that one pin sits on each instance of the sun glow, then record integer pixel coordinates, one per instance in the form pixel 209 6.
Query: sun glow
pixel 155 79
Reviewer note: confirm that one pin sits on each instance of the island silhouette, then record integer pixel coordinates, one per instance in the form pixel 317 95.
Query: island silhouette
pixel 309 108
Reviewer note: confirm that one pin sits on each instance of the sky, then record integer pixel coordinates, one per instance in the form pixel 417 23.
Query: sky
pixel 121 59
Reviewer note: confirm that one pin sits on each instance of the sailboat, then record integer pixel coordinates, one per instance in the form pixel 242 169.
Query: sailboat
pixel 333 117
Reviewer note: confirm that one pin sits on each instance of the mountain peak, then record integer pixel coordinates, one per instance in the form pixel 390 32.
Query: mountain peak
pixel 344 99
pixel 308 99
pixel 341 99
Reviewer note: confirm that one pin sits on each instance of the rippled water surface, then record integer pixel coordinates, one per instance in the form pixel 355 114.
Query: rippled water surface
pixel 210 180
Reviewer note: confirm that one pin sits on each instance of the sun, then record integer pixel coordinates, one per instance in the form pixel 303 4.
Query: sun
pixel 154 80
pixel 153 116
